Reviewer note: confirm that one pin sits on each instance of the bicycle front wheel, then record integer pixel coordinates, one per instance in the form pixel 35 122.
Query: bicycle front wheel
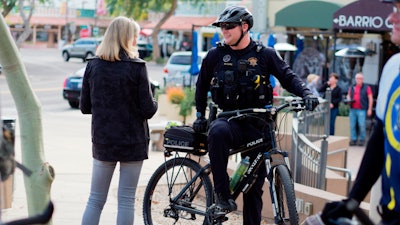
pixel 177 194
pixel 286 196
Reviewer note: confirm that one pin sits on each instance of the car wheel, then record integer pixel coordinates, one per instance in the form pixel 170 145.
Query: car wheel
pixel 88 55
pixel 65 56
pixel 74 104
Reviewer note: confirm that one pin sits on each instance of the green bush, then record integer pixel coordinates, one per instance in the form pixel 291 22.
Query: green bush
pixel 344 109
pixel 187 103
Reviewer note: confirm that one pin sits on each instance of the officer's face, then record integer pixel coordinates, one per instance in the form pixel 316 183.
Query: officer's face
pixel 231 32
pixel 394 18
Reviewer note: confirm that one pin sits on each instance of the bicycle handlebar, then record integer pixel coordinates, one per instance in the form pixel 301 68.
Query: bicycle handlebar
pixel 38 219
pixel 296 104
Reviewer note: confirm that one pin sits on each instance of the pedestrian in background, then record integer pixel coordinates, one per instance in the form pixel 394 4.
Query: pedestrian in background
pixel 116 91
pixel 336 98
pixel 312 84
pixel 361 102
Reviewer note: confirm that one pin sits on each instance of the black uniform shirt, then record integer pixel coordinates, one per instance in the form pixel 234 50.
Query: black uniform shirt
pixel 270 63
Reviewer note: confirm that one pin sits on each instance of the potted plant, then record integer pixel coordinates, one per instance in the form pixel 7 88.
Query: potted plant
pixel 184 98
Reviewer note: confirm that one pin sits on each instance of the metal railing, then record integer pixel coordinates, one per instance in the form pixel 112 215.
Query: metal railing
pixel 309 161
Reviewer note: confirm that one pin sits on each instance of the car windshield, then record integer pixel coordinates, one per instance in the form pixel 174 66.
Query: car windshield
pixel 183 60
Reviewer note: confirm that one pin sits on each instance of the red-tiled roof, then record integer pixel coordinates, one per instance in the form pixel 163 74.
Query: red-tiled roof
pixel 173 23
pixel 182 23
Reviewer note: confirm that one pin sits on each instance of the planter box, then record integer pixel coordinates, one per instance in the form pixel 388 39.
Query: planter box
pixel 342 126
pixel 170 111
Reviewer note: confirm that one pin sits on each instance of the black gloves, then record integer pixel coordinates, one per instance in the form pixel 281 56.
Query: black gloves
pixel 334 210
pixel 310 102
pixel 200 124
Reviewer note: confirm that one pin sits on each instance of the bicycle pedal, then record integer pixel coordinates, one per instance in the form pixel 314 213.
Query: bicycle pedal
pixel 217 216
pixel 220 220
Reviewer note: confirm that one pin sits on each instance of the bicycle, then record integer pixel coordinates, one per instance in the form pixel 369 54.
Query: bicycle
pixel 181 189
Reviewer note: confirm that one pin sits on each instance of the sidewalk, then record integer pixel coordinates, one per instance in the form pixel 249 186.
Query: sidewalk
pixel 70 188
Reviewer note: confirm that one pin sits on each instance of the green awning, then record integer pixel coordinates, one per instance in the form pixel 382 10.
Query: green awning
pixel 310 14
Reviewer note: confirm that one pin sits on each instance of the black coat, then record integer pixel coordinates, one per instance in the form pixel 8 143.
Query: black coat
pixel 118 96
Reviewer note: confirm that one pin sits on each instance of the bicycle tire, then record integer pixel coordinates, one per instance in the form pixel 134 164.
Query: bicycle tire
pixel 286 195
pixel 166 182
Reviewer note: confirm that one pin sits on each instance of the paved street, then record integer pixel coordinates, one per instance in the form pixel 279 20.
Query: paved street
pixel 66 141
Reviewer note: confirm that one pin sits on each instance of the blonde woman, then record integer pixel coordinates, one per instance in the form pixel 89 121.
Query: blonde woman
pixel 116 91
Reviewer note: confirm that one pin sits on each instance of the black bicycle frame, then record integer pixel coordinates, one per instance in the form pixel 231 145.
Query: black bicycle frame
pixel 204 169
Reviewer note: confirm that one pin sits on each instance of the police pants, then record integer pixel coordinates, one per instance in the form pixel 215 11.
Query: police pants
pixel 224 135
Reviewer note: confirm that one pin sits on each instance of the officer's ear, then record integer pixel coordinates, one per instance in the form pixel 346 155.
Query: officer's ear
pixel 245 27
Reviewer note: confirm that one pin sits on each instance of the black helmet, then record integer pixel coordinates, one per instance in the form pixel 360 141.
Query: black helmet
pixel 235 14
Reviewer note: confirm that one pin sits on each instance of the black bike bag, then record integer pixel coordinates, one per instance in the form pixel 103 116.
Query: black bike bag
pixel 185 139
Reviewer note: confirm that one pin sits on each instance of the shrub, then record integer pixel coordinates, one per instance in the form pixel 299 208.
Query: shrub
pixel 175 94
pixel 344 109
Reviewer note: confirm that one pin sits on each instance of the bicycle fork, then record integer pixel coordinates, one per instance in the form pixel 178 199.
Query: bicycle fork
pixel 272 187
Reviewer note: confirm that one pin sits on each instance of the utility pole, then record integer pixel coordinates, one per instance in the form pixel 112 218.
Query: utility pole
pixel 66 22
pixel 260 14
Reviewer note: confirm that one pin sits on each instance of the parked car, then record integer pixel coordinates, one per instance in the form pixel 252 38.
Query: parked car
pixel 73 85
pixel 145 46
pixel 176 70
pixel 1 69
pixel 81 48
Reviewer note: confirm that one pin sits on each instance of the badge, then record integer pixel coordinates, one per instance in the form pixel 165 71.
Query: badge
pixel 226 58
pixel 253 61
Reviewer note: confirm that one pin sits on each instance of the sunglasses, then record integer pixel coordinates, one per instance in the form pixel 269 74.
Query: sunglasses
pixel 229 26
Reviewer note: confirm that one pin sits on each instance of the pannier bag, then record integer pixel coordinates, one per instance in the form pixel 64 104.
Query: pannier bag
pixel 185 139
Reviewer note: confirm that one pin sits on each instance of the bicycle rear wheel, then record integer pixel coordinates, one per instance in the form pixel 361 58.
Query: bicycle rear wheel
pixel 286 196
pixel 159 207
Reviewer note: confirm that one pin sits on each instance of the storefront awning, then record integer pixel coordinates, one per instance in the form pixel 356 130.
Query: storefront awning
pixel 363 15
pixel 309 14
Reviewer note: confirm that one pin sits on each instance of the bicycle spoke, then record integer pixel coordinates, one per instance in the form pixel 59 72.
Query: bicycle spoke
pixel 169 204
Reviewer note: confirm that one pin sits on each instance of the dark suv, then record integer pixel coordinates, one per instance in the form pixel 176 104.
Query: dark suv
pixel 81 48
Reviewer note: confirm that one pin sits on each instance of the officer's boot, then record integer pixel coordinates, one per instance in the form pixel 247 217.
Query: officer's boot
pixel 224 203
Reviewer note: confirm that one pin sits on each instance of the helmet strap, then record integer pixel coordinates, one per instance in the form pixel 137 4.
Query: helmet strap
pixel 240 38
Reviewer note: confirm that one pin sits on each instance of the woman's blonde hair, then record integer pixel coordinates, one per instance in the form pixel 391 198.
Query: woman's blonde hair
pixel 119 37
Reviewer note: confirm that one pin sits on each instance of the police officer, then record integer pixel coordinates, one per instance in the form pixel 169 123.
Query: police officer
pixel 237 74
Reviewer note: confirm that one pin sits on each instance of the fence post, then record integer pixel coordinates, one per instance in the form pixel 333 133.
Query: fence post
pixel 323 158
pixel 299 155
pixel 295 141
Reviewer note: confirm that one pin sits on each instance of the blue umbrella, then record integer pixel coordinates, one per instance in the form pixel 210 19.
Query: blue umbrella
pixel 194 69
pixel 215 39
pixel 299 45
pixel 271 41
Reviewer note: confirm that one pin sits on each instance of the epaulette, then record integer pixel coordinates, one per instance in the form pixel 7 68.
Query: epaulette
pixel 221 44
pixel 259 46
